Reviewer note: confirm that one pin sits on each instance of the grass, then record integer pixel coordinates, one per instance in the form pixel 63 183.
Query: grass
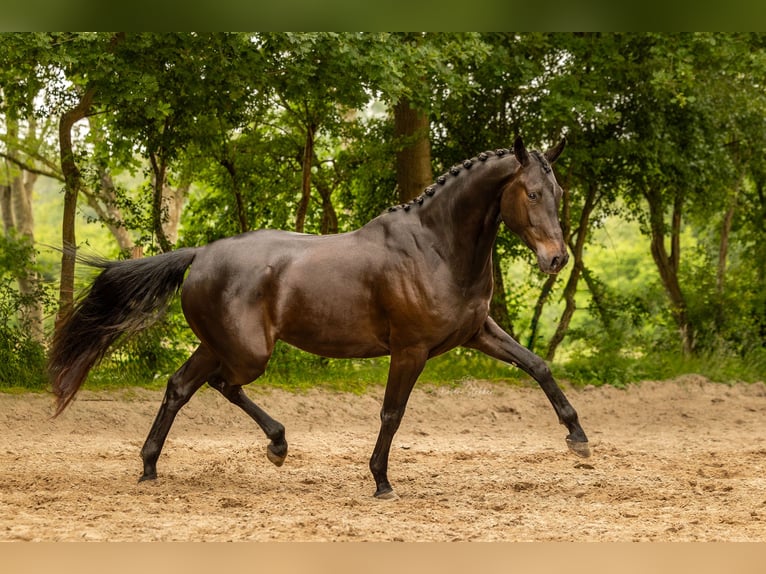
pixel 620 371
pixel 294 370
pixel 297 371
pixel 22 364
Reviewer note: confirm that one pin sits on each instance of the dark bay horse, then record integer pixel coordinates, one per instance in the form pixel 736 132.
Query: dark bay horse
pixel 414 282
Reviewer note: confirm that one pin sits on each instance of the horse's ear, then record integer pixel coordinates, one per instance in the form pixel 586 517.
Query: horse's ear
pixel 553 154
pixel 520 151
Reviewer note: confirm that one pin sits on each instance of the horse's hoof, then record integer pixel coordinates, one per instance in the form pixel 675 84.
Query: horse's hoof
pixel 276 458
pixel 387 495
pixel 146 477
pixel 581 449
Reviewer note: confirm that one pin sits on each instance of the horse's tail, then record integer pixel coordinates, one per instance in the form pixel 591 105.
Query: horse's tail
pixel 126 297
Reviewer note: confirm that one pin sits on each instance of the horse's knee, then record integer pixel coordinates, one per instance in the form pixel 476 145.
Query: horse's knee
pixel 390 419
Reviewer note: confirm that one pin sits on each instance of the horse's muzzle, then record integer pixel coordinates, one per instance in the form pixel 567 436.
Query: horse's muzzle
pixel 554 263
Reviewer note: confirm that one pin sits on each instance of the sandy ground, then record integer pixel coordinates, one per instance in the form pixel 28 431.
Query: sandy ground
pixel 680 460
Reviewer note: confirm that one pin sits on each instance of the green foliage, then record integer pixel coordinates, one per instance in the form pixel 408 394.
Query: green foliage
pixel 616 369
pixel 22 358
pixel 627 333
pixel 296 370
pixel 369 186
pixel 730 316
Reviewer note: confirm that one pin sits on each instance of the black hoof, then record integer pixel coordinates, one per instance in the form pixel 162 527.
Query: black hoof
pixel 276 455
pixel 579 448
pixel 145 477
pixel 386 493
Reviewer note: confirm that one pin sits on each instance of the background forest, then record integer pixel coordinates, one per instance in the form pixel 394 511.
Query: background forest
pixel 130 144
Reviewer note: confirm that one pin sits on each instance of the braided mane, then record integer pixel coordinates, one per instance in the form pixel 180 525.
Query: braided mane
pixel 454 171
pixel 542 159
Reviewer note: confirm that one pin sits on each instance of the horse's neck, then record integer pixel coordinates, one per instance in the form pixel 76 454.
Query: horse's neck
pixel 465 217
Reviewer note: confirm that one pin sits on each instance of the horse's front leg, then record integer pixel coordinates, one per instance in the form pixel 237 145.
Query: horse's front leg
pixel 495 342
pixel 406 366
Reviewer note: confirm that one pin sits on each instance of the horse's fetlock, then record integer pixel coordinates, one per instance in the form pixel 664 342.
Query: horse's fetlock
pixel 277 434
pixel 568 415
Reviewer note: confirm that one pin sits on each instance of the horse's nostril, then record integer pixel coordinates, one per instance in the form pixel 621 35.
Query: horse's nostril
pixel 555 262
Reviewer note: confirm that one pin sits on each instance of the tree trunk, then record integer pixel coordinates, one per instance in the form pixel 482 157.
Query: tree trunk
pixel 104 200
pixel 413 160
pixel 545 292
pixel 570 290
pixel 31 314
pixel 723 248
pixel 104 203
pixel 114 215
pixel 228 164
pixel 329 215
pixel 668 263
pixel 173 199
pixel 307 162
pixel 760 254
pixel 72 184
pixel 6 209
pixel 159 210
pixel 598 297
pixel 19 219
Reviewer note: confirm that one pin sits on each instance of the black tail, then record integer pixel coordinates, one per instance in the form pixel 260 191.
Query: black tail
pixel 126 297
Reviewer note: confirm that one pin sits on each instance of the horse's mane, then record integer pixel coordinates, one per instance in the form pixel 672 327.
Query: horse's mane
pixel 454 171
pixel 543 160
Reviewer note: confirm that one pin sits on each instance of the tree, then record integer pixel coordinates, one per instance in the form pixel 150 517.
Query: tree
pixel 166 95
pixel 23 141
pixel 320 132
pixel 316 79
pixel 65 70
pixel 674 147
pixel 18 219
pixel 580 103
pixel 428 67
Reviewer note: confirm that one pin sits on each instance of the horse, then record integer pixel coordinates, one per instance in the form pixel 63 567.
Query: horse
pixel 412 283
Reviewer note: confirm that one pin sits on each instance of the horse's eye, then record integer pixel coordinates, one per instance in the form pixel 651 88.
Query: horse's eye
pixel 532 195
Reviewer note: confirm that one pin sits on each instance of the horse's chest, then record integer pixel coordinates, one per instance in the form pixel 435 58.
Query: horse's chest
pixel 440 316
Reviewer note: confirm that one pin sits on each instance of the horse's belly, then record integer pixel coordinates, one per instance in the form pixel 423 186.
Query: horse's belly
pixel 338 348
pixel 335 327
pixel 335 340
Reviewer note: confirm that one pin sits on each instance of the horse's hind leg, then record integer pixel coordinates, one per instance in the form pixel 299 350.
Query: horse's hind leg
pixel 277 449
pixel 181 386
pixel 244 347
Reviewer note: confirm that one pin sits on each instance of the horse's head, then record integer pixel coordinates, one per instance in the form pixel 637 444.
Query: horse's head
pixel 530 203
